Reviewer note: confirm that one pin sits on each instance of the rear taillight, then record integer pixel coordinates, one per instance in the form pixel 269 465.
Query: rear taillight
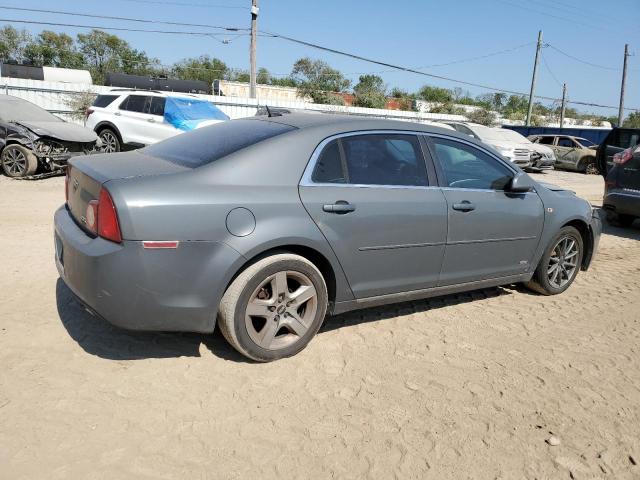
pixel 107 217
pixel 66 183
pixel 623 157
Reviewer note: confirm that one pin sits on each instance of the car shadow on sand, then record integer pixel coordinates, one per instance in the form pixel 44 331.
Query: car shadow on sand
pixel 98 337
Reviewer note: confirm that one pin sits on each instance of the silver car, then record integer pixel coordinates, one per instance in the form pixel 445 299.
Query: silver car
pixel 265 225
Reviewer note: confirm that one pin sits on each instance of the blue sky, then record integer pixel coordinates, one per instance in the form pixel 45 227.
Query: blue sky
pixel 413 33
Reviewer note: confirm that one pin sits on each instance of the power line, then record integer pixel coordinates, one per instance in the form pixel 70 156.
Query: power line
pixel 315 46
pixel 582 61
pixel 544 61
pixel 127 19
pixel 181 4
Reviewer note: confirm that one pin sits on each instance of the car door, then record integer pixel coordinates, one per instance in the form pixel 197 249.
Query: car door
pixel 133 122
pixel 491 232
pixel 383 215
pixel 567 153
pixel 158 128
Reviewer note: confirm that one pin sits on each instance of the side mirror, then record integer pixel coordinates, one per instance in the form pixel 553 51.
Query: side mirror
pixel 521 183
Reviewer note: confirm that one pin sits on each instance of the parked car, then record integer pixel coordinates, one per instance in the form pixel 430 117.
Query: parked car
pixel 510 144
pixel 622 188
pixel 267 223
pixel 572 153
pixel 132 118
pixel 32 139
pixel 618 140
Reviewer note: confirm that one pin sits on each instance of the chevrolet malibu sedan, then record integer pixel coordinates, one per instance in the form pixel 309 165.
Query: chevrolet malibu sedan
pixel 264 225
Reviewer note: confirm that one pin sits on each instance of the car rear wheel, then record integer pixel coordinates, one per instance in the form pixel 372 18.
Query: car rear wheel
pixel 588 166
pixel 18 161
pixel 274 307
pixel 110 141
pixel 560 263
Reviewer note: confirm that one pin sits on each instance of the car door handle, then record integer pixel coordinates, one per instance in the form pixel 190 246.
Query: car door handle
pixel 464 206
pixel 151 120
pixel 340 207
pixel 117 114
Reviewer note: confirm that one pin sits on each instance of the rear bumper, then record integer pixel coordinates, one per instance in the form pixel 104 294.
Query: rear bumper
pixel 623 202
pixel 140 289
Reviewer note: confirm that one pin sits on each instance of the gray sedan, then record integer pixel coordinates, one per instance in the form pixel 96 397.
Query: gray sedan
pixel 265 225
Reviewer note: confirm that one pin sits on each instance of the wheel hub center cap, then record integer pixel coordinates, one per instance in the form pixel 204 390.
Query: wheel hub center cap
pixel 281 309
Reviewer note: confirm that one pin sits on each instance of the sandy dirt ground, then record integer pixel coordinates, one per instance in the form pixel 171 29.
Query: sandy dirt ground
pixel 467 386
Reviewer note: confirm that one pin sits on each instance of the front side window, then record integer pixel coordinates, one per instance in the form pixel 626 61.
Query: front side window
pixel 372 159
pixel 465 166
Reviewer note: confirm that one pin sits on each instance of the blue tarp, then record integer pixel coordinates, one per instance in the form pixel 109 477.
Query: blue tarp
pixel 187 113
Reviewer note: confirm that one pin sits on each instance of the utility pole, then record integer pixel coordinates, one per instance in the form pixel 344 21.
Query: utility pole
pixel 252 48
pixel 624 81
pixel 533 78
pixel 564 100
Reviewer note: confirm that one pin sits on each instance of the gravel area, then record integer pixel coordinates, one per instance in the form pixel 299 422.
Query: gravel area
pixel 497 383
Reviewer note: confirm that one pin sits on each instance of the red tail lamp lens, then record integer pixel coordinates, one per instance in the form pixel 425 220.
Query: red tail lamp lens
pixel 108 226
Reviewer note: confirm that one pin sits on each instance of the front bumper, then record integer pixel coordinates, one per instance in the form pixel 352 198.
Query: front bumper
pixel 595 230
pixel 544 163
pixel 139 289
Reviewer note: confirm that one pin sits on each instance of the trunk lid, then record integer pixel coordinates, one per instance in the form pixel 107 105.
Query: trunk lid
pixel 88 173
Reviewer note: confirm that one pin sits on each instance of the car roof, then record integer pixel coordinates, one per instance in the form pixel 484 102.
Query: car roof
pixel 347 122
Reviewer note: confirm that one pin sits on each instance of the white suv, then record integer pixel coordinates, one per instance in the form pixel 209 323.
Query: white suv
pixel 136 118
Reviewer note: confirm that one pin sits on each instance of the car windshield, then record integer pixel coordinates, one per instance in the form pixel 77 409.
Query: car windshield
pixel 586 143
pixel 23 111
pixel 208 144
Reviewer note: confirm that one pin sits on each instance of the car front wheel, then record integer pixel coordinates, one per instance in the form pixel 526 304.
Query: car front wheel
pixel 560 263
pixel 274 307
pixel 18 161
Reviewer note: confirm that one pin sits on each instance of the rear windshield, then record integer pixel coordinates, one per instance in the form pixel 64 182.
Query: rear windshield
pixel 207 144
pixel 104 100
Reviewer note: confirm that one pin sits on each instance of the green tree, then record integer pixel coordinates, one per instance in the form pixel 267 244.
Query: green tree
pixel 435 94
pixel 54 50
pixel 262 76
pixel 318 80
pixel 204 68
pixel 370 92
pixel 104 52
pixel 632 120
pixel 13 43
pixel 482 116
pixel 516 106
pixel 283 82
pixel 405 99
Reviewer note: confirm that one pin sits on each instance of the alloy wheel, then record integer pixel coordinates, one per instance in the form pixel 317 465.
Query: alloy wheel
pixel 15 162
pixel 109 142
pixel 281 310
pixel 563 262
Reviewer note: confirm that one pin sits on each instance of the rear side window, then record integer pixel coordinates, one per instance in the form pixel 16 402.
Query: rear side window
pixel 157 105
pixel 104 100
pixel 372 159
pixel 208 144
pixel 134 103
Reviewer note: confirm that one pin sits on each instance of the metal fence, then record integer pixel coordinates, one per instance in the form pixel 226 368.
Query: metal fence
pixel 55 97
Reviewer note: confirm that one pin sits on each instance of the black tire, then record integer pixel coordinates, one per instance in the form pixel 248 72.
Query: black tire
pixel 619 220
pixel 18 161
pixel 110 141
pixel 232 314
pixel 540 282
